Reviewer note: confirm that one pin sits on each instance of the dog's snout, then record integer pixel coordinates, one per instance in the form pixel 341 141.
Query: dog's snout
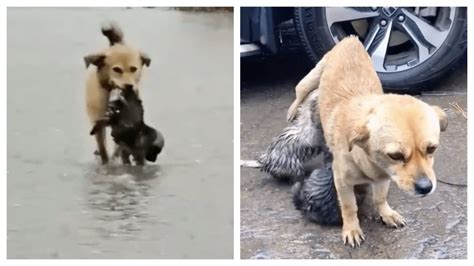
pixel 423 185
pixel 128 86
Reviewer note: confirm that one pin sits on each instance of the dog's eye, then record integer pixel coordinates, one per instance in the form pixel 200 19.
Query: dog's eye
pixel 430 149
pixel 117 69
pixel 397 156
pixel 133 69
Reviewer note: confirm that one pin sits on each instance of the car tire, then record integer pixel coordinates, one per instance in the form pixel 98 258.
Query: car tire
pixel 316 38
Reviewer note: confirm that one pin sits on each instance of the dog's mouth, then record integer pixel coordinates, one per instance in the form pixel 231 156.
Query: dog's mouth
pixel 116 95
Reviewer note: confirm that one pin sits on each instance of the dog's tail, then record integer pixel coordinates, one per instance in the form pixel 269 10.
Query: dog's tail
pixel 113 33
pixel 288 155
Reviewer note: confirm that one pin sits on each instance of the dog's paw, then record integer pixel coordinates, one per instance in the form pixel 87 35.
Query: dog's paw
pixel 393 219
pixel 352 235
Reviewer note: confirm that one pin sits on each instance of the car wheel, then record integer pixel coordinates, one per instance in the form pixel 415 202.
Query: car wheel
pixel 410 47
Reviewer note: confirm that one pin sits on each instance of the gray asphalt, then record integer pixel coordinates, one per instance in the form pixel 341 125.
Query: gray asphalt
pixel 61 202
pixel 272 228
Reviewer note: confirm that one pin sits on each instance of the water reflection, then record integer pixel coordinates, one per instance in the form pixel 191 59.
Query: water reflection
pixel 118 197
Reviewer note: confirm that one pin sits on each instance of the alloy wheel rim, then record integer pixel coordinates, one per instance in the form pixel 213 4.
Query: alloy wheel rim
pixel 396 38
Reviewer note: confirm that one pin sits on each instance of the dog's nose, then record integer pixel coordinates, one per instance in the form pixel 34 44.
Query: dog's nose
pixel 128 86
pixel 423 185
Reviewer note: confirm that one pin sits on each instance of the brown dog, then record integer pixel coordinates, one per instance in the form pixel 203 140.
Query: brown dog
pixel 118 66
pixel 374 137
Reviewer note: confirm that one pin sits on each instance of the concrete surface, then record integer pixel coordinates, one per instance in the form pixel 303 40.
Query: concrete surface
pixel 272 228
pixel 61 202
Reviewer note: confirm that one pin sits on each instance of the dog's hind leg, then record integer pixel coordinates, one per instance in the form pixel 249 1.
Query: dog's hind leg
pixel 308 84
pixel 100 138
pixel 288 155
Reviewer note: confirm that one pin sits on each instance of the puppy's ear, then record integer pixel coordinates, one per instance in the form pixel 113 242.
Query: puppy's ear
pixel 443 118
pixel 145 59
pixel 96 59
pixel 358 136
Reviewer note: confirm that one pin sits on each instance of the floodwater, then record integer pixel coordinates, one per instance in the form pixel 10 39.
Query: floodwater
pixel 61 202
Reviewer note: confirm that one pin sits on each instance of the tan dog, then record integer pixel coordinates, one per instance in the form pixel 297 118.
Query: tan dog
pixel 374 137
pixel 118 66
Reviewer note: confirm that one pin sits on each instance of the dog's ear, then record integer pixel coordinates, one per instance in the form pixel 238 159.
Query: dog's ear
pixel 358 136
pixel 145 59
pixel 443 118
pixel 152 153
pixel 96 59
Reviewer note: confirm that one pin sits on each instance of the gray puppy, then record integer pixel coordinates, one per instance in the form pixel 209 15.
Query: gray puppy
pixel 290 155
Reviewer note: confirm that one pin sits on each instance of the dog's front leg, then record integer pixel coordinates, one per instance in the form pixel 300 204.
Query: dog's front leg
pixel 100 138
pixel 351 231
pixel 389 216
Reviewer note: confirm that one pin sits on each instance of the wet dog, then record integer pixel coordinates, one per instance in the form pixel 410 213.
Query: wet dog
pixel 374 137
pixel 117 66
pixel 125 117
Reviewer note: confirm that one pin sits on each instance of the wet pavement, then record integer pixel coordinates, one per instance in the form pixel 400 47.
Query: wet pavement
pixel 61 202
pixel 272 228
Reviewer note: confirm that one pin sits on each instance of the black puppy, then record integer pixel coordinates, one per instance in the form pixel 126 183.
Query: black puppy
pixel 125 117
pixel 316 195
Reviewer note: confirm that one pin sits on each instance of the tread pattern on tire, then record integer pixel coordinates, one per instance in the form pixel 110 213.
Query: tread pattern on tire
pixel 316 40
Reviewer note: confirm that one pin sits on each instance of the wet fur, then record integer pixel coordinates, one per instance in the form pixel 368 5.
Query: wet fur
pixel 315 195
pixel 125 117
pixel 361 126
pixel 290 154
pixel 101 78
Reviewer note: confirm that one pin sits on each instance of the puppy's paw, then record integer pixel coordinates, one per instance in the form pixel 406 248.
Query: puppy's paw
pixel 352 235
pixel 393 219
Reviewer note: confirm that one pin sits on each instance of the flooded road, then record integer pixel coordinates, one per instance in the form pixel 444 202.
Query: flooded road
pixel 61 202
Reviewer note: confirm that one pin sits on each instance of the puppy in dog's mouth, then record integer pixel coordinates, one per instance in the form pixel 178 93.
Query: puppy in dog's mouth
pixel 133 137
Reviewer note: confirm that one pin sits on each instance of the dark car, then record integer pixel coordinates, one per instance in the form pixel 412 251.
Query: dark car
pixel 411 47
